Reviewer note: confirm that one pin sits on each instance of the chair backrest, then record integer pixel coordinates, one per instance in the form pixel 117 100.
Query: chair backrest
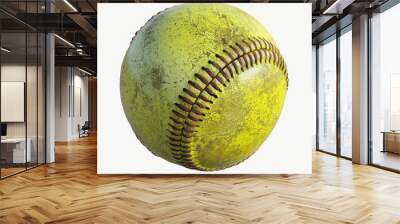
pixel 86 124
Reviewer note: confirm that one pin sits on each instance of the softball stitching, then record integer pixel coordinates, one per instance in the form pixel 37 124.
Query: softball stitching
pixel 195 101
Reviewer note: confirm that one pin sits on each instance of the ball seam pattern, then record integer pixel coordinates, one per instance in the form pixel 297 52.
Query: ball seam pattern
pixel 195 100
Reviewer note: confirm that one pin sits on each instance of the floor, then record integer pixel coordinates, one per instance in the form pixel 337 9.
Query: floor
pixel 387 159
pixel 70 191
pixel 8 171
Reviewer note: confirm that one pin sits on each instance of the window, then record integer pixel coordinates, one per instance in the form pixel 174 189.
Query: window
pixel 22 77
pixel 346 93
pixel 327 96
pixel 385 89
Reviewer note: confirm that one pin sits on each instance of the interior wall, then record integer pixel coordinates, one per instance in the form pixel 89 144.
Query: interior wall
pixel 33 126
pixel 80 103
pixel 92 88
pixel 71 102
pixel 62 81
pixel 16 72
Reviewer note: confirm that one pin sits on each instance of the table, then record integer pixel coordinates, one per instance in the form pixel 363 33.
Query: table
pixel 391 141
pixel 15 148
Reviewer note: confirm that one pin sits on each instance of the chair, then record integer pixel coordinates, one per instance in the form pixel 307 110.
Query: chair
pixel 84 130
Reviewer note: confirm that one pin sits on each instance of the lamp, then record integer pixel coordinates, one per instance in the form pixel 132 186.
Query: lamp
pixel 5 49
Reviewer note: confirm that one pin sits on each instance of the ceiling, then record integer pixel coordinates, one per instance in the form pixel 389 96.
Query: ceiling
pixel 75 22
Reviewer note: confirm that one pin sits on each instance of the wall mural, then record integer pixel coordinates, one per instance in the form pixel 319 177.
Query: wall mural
pixel 204 88
pixel 203 85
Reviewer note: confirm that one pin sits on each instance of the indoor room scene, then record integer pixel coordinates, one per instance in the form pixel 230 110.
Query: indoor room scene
pixel 138 123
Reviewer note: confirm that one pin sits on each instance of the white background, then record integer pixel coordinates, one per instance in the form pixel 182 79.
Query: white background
pixel 286 150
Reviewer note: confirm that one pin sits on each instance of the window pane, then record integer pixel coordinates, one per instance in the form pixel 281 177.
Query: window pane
pixel 22 89
pixel 327 97
pixel 346 93
pixel 386 89
pixel 31 100
pixel 14 153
